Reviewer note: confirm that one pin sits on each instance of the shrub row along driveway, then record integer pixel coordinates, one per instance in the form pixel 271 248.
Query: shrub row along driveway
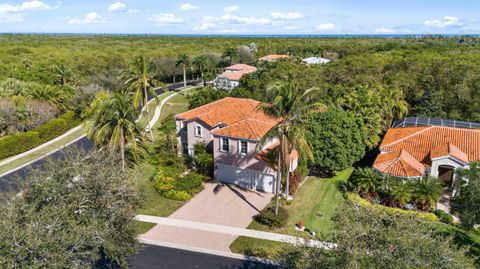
pixel 216 204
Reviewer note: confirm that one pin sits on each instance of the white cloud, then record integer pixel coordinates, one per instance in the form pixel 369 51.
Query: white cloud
pixel 166 19
pixel 290 27
pixel 204 26
pixel 15 13
pixel 117 6
pixel 384 31
pixel 327 26
pixel 231 9
pixel 188 6
pixel 133 11
pixel 230 31
pixel 89 18
pixel 447 21
pixel 287 16
pixel 233 19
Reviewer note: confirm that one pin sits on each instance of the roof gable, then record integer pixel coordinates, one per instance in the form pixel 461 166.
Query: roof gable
pixel 239 117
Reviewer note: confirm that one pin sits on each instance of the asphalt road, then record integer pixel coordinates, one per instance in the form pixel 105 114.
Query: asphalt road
pixel 84 144
pixel 171 258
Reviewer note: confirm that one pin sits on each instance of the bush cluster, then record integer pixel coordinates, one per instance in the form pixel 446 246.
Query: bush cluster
pixel 11 145
pixel 443 216
pixel 169 183
pixel 295 180
pixel 364 203
pixel 268 217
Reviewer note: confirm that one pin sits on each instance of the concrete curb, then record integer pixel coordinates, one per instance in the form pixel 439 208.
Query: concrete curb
pixel 207 251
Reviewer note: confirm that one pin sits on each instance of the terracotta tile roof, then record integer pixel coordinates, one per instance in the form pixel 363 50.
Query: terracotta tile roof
pixel 399 163
pixel 241 117
pixel 263 155
pixel 425 143
pixel 448 149
pixel 236 71
pixel 241 67
pixel 273 57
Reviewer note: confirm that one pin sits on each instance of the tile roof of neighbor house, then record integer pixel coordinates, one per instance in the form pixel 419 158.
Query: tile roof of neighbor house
pixel 263 155
pixel 424 144
pixel 236 71
pixel 237 117
pixel 273 57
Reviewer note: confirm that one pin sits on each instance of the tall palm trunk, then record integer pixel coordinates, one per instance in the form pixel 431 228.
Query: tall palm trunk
pixel 184 76
pixel 203 81
pixel 122 148
pixel 148 113
pixel 277 184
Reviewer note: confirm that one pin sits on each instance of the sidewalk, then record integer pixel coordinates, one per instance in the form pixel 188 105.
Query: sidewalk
pixel 228 230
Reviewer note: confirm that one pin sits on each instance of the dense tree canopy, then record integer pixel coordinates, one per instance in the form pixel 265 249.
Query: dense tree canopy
pixel 75 213
pixel 368 238
pixel 337 138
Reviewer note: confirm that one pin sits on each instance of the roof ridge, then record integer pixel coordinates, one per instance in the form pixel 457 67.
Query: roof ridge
pixel 408 136
pixel 393 161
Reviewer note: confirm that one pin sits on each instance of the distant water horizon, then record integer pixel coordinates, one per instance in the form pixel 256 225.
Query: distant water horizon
pixel 247 35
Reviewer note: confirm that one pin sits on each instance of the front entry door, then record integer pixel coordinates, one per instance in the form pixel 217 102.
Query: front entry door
pixel 446 175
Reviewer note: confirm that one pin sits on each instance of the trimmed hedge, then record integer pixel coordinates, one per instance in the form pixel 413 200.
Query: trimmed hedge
pixel 267 217
pixel 362 202
pixel 11 145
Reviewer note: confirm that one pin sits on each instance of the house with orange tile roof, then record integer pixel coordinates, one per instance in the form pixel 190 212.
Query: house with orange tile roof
pixel 231 128
pixel 437 151
pixel 230 78
pixel 273 57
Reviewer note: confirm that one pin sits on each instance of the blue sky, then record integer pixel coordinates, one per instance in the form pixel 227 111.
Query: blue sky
pixel 242 17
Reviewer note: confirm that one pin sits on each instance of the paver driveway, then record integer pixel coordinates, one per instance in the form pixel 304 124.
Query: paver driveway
pixel 216 204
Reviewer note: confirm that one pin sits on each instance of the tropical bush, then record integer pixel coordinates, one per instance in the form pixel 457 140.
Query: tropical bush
pixel 443 216
pixel 427 191
pixel 466 203
pixel 170 184
pixel 268 217
pixel 11 145
pixel 381 208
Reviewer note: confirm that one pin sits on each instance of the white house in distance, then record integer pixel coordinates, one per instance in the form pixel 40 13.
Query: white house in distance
pixel 315 60
pixel 230 78
pixel 232 127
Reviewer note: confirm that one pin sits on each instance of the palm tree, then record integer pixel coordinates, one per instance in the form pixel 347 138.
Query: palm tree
pixel 201 63
pixel 183 61
pixel 402 193
pixel 395 105
pixel 111 120
pixel 366 181
pixel 427 192
pixel 231 53
pixel 63 74
pixel 291 106
pixel 141 81
pixel 55 95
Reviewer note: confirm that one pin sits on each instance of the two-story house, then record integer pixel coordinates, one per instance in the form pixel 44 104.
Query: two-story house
pixel 232 128
pixel 230 78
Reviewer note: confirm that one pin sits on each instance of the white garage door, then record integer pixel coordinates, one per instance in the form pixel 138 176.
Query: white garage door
pixel 245 178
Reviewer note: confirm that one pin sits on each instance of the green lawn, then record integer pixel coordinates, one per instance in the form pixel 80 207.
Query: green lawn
pixel 154 203
pixel 151 107
pixel 314 204
pixel 143 227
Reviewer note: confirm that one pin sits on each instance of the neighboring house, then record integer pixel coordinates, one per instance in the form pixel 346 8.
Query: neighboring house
pixel 415 151
pixel 315 60
pixel 230 78
pixel 231 128
pixel 273 57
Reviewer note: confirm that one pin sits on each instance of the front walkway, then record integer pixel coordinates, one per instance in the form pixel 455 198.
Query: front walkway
pixel 223 205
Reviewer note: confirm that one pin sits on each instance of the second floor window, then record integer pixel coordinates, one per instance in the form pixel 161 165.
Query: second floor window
pixel 225 144
pixel 243 147
pixel 198 131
